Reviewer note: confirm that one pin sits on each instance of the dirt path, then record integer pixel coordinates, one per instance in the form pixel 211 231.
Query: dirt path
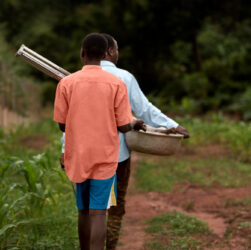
pixel 215 206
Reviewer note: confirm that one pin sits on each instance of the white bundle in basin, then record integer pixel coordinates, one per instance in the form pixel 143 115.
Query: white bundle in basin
pixel 153 141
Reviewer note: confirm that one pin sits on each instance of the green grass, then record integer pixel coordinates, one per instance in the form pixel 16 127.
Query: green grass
pixel 179 231
pixel 56 228
pixel 37 204
pixel 162 174
pixel 245 224
pixel 216 128
pixel 233 170
pixel 237 202
pixel 175 231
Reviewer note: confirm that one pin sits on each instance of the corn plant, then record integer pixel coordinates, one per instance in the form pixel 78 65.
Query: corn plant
pixel 23 203
pixel 9 217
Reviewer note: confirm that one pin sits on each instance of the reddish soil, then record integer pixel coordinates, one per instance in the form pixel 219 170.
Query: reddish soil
pixel 36 142
pixel 211 150
pixel 222 208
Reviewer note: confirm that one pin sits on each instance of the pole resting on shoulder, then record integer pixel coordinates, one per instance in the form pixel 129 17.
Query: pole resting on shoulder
pixel 41 63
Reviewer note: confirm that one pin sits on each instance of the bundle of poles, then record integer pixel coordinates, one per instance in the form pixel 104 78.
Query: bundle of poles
pixel 41 63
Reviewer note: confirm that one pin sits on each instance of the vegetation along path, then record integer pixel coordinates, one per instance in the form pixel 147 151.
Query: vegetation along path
pixel 225 210
pixel 197 199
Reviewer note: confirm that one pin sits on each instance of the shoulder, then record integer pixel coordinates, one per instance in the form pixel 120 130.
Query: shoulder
pixel 112 78
pixel 70 78
pixel 125 74
pixel 122 74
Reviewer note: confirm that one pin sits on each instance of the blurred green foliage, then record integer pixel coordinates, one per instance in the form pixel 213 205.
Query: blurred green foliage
pixel 34 191
pixel 230 168
pixel 48 93
pixel 192 55
pixel 37 204
pixel 175 230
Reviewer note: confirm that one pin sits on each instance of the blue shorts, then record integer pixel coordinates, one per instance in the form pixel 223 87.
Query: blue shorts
pixel 96 194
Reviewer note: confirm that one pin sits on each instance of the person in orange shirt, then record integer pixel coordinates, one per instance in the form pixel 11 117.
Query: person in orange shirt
pixel 91 105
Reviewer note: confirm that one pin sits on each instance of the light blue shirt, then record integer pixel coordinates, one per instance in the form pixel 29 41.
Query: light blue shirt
pixel 140 106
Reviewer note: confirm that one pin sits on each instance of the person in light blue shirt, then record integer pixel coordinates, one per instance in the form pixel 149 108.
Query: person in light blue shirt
pixel 144 110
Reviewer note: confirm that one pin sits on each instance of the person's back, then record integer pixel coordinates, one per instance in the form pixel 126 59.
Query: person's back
pixel 90 106
pixel 92 141
pixel 150 114
pixel 122 74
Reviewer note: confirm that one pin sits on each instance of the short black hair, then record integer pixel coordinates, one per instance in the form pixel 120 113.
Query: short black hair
pixel 110 40
pixel 94 46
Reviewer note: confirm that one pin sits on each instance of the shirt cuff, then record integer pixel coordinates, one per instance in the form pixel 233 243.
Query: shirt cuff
pixel 124 122
pixel 172 124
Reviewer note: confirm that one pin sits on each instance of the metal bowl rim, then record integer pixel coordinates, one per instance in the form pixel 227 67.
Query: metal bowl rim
pixel 159 134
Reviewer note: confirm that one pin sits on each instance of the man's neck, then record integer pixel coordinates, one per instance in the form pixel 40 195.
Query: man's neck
pixel 108 59
pixel 87 61
pixel 92 62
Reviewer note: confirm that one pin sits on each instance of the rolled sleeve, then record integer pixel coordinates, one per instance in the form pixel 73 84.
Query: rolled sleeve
pixel 144 109
pixel 122 106
pixel 60 104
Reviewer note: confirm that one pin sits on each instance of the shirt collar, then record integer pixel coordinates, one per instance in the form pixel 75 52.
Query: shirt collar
pixel 107 63
pixel 87 67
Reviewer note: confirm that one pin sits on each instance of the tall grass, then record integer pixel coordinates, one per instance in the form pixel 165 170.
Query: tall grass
pixel 31 191
pixel 231 169
pixel 218 129
pixel 175 230
pixel 37 205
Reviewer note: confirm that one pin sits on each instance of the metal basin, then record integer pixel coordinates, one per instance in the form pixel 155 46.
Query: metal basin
pixel 150 142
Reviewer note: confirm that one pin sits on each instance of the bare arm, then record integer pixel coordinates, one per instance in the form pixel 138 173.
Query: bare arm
pixel 145 110
pixel 125 128
pixel 135 124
